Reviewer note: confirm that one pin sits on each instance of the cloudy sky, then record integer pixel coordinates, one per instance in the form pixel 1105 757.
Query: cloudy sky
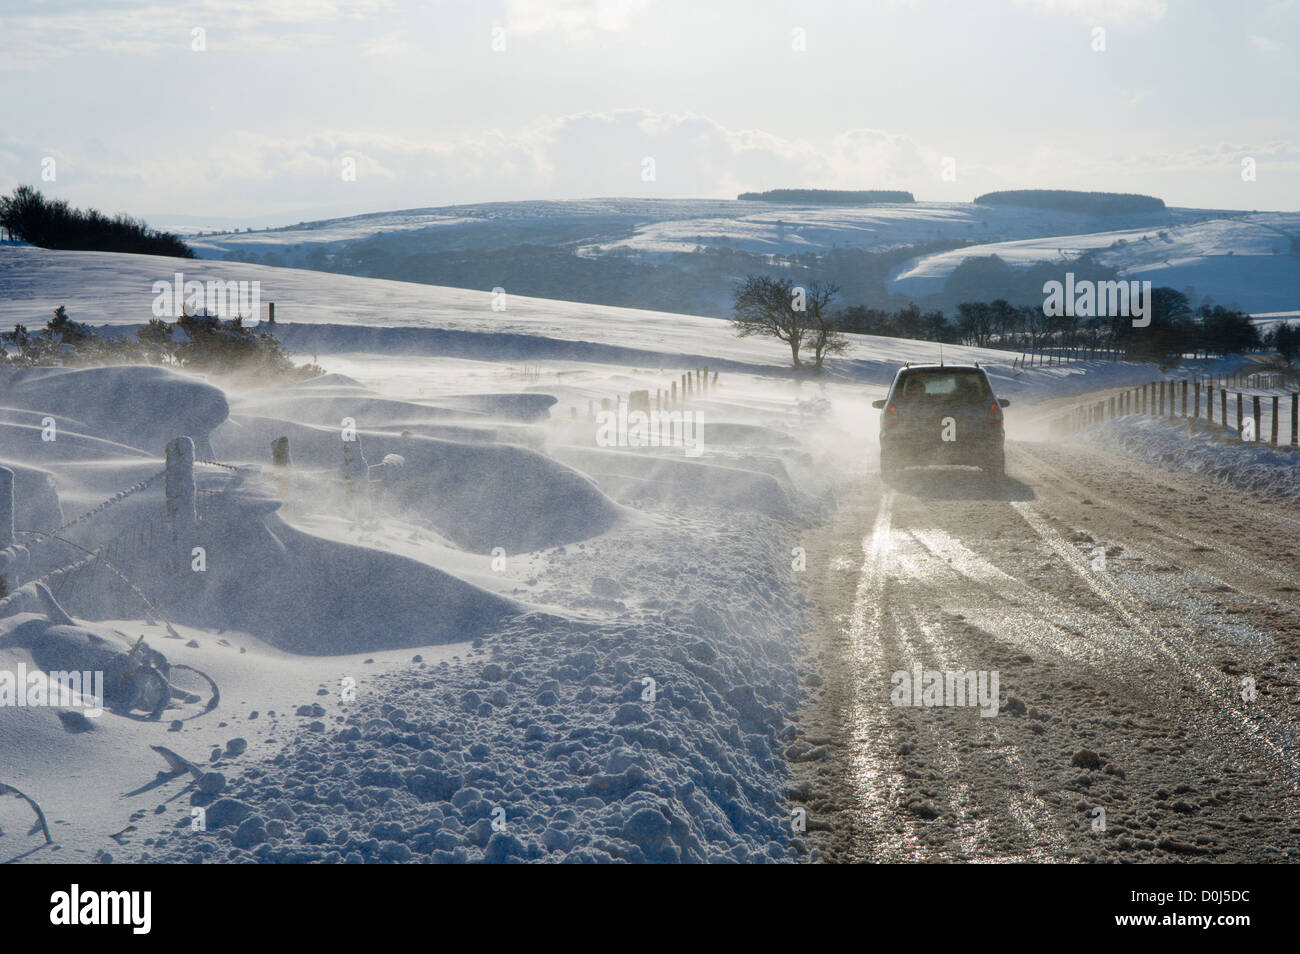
pixel 246 111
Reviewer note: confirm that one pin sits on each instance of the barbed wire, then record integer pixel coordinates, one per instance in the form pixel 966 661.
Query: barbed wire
pixel 134 489
pixel 115 499
pixel 134 537
pixel 96 557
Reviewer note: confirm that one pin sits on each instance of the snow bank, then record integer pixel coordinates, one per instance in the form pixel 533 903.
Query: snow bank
pixel 36 497
pixel 141 407
pixel 1212 452
pixel 308 595
pixel 479 495
pixel 659 736
pixel 637 478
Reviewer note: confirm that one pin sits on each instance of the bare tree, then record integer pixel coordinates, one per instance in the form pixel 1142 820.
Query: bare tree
pixel 826 339
pixel 783 309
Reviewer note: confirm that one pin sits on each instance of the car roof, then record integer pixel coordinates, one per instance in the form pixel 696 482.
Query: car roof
pixel 940 367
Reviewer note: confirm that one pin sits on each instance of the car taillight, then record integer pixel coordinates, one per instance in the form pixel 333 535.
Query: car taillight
pixel 891 417
pixel 995 414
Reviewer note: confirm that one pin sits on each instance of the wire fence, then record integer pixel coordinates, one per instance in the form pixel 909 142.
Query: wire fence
pixel 1262 416
pixel 98 573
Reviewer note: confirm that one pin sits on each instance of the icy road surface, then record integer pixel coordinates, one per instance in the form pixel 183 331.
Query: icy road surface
pixel 1129 615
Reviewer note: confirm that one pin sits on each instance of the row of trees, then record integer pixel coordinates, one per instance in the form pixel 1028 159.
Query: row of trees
pixel 1072 200
pixel 1285 340
pixel 197 342
pixel 29 216
pixel 801 317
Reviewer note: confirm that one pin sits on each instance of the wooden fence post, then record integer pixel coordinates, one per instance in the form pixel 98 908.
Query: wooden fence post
pixel 280 463
pixel 12 557
pixel 355 472
pixel 1254 407
pixel 1273 429
pixel 6 508
pixel 1295 419
pixel 181 494
pixel 280 452
pixel 1223 406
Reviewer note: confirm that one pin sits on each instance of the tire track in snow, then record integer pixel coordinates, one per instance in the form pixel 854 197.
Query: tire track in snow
pixel 1038 825
pixel 874 771
pixel 1174 538
pixel 1277 740
pixel 1023 614
pixel 971 834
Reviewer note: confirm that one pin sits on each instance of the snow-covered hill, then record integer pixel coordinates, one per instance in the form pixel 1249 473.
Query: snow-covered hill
pixel 645 229
pixel 1244 259
pixel 325 313
pixel 1247 258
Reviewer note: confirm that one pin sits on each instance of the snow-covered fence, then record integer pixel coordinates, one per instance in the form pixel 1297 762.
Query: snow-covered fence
pixel 280 453
pixel 698 382
pixel 1049 357
pixel 6 508
pixel 356 477
pixel 180 489
pixel 159 544
pixel 13 557
pixel 1182 399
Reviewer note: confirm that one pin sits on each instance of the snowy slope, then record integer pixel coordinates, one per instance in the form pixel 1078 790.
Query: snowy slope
pixel 1240 257
pixel 324 313
pixel 646 228
pixel 1248 259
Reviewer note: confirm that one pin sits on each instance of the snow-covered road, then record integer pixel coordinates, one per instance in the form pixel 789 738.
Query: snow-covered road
pixel 1145 631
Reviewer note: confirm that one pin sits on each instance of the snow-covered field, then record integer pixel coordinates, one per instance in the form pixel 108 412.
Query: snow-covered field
pixel 503 641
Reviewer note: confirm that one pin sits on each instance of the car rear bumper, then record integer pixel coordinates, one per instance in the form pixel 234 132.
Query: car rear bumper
pixel 906 449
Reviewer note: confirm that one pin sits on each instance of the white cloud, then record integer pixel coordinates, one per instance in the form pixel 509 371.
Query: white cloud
pixel 1105 12
pixel 1265 45
pixel 147 26
pixel 581 19
pixel 388 45
pixel 574 156
pixel 1055 165
pixel 579 155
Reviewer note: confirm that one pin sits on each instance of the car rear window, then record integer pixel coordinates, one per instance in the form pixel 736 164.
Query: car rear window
pixel 943 386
